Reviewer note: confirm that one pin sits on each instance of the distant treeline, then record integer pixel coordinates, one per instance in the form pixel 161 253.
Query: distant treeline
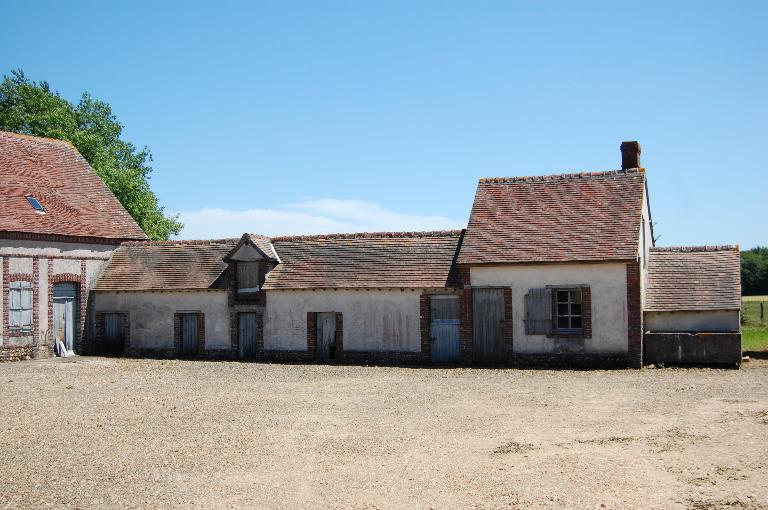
pixel 754 272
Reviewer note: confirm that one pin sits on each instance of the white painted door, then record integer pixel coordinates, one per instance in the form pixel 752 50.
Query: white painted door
pixel 65 314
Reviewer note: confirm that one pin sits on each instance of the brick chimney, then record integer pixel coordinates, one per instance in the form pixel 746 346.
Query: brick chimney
pixel 630 155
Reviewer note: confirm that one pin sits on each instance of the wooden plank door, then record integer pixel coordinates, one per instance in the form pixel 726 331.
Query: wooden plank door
pixel 488 319
pixel 65 314
pixel 189 334
pixel 247 334
pixel 444 328
pixel 114 338
pixel 326 334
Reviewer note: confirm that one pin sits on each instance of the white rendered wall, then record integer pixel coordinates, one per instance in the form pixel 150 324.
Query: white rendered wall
pixel 151 315
pixel 608 284
pixel 373 320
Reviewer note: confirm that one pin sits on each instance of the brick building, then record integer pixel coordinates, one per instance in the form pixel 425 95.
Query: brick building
pixel 556 269
pixel 59 225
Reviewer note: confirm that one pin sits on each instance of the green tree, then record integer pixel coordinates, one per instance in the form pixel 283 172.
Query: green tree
pixel 754 271
pixel 32 108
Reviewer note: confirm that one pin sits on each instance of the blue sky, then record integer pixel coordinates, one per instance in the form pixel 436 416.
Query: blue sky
pixel 292 117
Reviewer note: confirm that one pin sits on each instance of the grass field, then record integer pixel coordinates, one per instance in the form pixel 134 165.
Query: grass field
pixel 754 331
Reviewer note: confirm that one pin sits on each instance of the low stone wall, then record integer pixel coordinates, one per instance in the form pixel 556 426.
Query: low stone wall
pixel 16 352
pixel 693 348
pixel 573 360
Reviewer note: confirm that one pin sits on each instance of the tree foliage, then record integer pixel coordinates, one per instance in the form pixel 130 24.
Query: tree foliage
pixel 754 271
pixel 32 108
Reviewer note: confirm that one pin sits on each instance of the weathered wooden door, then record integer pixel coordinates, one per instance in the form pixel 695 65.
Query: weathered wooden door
pixel 247 334
pixel 188 334
pixel 444 328
pixel 65 314
pixel 326 334
pixel 488 319
pixel 114 338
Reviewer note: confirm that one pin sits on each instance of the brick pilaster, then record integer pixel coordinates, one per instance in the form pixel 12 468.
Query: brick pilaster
pixel 508 327
pixel 586 312
pixel 634 316
pixel 339 336
pixel 312 332
pixel 426 326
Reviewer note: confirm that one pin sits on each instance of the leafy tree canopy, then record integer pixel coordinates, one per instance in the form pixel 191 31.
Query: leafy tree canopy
pixel 754 271
pixel 32 108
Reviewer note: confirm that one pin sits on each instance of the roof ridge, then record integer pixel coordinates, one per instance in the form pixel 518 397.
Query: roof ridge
pixel 35 137
pixel 560 177
pixel 371 235
pixel 181 242
pixel 687 249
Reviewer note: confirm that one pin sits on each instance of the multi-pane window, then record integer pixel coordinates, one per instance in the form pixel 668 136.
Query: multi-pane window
pixel 568 302
pixel 247 277
pixel 20 306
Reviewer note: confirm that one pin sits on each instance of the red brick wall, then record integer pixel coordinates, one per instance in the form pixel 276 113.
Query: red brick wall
pixel 312 332
pixel 426 326
pixel 634 316
pixel 508 326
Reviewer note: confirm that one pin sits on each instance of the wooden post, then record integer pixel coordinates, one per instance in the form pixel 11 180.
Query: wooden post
pixel 762 312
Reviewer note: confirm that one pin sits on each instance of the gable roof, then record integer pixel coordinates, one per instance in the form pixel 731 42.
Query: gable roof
pixel 694 278
pixel 263 245
pixel 557 218
pixel 366 260
pixel 77 202
pixel 166 265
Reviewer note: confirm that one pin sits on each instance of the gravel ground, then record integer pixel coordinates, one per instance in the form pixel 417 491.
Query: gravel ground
pixel 118 433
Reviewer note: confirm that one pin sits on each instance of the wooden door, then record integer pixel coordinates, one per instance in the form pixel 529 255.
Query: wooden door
pixel 487 322
pixel 326 334
pixel 247 333
pixel 189 334
pixel 444 328
pixel 65 314
pixel 114 337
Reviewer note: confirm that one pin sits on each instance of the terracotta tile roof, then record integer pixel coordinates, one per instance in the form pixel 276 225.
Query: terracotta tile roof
pixel 694 278
pixel 76 201
pixel 366 260
pixel 557 218
pixel 264 243
pixel 166 265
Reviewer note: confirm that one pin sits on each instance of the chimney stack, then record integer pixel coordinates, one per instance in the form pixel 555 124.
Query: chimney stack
pixel 630 155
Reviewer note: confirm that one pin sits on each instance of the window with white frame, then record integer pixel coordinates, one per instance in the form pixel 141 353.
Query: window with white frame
pixel 569 317
pixel 20 306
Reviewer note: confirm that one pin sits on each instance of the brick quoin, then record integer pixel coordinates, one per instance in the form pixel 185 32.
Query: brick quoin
pixel 508 326
pixel 339 336
pixel 311 332
pixel 425 323
pixel 465 310
pixel 634 316
pixel 586 312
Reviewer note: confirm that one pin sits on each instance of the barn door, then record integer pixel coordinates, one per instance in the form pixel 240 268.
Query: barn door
pixel 488 319
pixel 188 334
pixel 65 314
pixel 114 338
pixel 326 334
pixel 444 328
pixel 247 332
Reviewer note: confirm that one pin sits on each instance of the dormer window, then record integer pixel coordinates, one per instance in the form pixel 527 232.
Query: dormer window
pixel 36 205
pixel 247 278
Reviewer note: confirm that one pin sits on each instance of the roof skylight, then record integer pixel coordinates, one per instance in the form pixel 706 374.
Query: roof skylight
pixel 35 203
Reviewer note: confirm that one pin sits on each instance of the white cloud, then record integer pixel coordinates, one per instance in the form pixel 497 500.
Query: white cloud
pixel 320 216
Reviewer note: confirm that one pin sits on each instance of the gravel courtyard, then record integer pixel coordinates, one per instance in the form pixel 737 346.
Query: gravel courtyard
pixel 120 433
